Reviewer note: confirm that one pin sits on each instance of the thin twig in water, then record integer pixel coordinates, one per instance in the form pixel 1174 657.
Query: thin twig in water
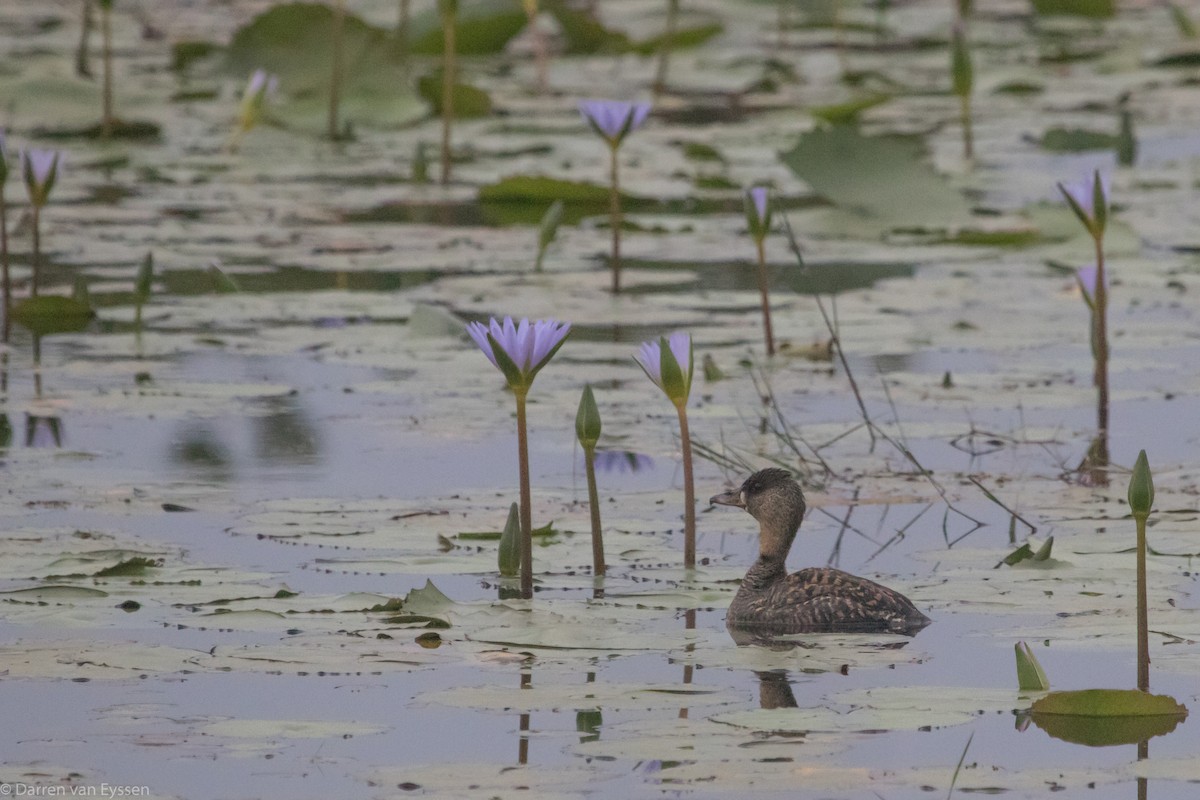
pixel 899 535
pixel 957 769
pixel 996 500
pixel 836 342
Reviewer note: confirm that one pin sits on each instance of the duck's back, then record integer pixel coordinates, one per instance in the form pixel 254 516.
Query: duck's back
pixel 822 599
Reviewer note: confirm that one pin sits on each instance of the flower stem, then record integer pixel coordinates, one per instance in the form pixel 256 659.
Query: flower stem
pixel 615 221
pixel 106 121
pixel 526 545
pixel 766 301
pixel 968 134
pixel 37 250
pixel 335 78
pixel 5 279
pixel 1143 624
pixel 589 460
pixel 668 44
pixel 689 491
pixel 449 65
pixel 1100 334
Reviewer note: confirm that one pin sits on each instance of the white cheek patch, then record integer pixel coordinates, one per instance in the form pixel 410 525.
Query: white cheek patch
pixel 743 497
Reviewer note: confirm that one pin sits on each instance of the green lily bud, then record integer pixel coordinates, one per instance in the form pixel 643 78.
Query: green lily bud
pixel 587 420
pixel 1141 487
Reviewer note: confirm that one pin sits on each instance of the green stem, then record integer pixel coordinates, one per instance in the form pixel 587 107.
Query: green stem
pixel 540 49
pixel 766 300
pixel 1143 624
pixel 614 213
pixel 689 491
pixel 37 250
pixel 589 460
pixel 526 546
pixel 106 122
pixel 5 278
pixel 335 79
pixel 1100 320
pixel 668 44
pixel 964 101
pixel 449 65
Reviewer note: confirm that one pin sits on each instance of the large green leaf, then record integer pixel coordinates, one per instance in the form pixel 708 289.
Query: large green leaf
pixel 468 101
pixel 1104 717
pixel 884 181
pixel 483 27
pixel 294 42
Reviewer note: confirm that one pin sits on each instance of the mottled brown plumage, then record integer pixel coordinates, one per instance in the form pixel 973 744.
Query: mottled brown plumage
pixel 813 599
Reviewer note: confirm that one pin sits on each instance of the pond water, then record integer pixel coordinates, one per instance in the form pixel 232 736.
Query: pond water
pixel 243 550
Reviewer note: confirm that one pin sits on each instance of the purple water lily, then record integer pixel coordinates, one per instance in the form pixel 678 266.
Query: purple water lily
pixel 525 346
pixel 671 367
pixel 614 119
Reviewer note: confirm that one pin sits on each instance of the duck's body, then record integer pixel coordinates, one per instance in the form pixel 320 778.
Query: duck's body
pixel 813 599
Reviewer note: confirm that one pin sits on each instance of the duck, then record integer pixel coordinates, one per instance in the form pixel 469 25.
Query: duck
pixel 816 599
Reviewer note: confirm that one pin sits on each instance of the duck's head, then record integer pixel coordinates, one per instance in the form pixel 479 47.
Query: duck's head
pixel 772 497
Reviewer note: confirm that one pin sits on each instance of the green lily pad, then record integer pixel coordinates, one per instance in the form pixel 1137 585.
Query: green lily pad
pixel 47 314
pixel 482 27
pixel 875 178
pixel 469 102
pixel 292 41
pixel 1105 717
pixel 849 111
pixel 1077 140
pixel 1092 9
pixel 683 38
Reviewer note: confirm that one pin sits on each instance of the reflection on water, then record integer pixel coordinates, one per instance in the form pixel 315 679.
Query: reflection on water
pixel 775 690
pixel 621 461
pixel 829 278
pixel 198 447
pixel 43 430
pixel 286 435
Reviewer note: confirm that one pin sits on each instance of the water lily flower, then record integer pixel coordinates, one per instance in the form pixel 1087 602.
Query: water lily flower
pixel 668 362
pixel 1088 198
pixel 758 211
pixel 259 90
pixel 520 350
pixel 40 168
pixel 613 120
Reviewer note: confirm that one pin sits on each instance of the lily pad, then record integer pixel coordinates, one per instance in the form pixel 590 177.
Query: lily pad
pixel 48 314
pixel 1105 717
pixel 875 178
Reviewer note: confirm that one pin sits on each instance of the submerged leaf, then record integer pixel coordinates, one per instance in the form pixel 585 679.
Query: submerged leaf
pixel 47 314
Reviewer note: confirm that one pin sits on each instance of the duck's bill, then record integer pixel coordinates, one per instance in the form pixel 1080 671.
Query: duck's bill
pixel 733 497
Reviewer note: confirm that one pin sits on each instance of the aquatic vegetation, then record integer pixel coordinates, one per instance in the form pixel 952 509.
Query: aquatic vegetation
pixel 448 9
pixel 143 285
pixel 333 129
pixel 1088 198
pixel 519 351
pixel 1141 500
pixel 758 220
pixel 547 230
pixel 5 275
pixel 1030 675
pixel 963 79
pixel 107 119
pixel 612 121
pixel 669 363
pixel 587 430
pixel 40 168
pixel 259 91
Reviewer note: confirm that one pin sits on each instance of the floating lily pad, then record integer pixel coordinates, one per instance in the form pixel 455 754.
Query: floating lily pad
pixel 48 314
pixel 1092 9
pixel 1105 717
